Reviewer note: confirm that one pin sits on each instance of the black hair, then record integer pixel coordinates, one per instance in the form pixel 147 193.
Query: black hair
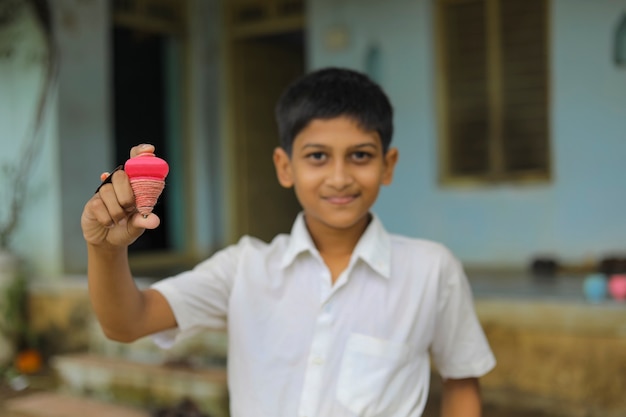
pixel 332 92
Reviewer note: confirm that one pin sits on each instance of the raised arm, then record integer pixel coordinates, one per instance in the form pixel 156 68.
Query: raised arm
pixel 110 223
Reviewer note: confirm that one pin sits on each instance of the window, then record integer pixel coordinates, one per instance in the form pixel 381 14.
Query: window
pixel 493 85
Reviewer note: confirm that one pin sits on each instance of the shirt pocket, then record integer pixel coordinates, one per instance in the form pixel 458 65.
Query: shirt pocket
pixel 377 376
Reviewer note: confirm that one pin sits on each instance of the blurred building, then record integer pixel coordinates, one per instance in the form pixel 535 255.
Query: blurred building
pixel 524 161
pixel 509 119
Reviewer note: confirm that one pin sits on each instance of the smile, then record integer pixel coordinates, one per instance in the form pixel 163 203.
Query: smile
pixel 341 200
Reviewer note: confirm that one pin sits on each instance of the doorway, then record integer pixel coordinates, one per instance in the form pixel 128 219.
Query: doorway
pixel 139 111
pixel 148 78
pixel 261 67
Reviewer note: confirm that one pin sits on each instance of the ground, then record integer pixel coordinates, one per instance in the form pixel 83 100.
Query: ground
pixel 45 381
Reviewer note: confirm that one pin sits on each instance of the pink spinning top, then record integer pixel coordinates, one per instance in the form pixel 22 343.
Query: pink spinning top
pixel 147 178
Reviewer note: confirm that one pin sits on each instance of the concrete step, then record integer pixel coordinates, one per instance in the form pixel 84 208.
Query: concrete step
pixel 148 386
pixel 59 405
pixel 62 318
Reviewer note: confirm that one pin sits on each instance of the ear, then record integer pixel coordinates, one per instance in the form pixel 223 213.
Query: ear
pixel 390 160
pixel 282 163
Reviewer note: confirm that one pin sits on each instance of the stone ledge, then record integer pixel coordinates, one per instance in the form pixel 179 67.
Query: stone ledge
pixel 568 354
pixel 570 317
pixel 58 405
pixel 140 384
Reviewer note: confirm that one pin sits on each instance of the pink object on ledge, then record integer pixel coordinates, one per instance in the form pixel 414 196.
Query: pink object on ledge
pixel 617 287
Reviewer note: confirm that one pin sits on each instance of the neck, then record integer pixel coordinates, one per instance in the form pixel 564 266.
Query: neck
pixel 337 242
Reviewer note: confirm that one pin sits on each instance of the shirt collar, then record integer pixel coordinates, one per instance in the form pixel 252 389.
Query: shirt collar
pixel 374 247
pixel 299 241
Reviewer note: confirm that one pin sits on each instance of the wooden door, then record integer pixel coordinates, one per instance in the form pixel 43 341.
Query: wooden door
pixel 261 69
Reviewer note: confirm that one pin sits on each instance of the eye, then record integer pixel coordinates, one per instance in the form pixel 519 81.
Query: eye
pixel 361 156
pixel 316 156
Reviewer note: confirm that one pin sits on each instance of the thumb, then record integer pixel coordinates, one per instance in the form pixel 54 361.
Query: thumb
pixel 138 223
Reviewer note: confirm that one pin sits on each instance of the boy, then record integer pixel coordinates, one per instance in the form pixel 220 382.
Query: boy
pixel 336 319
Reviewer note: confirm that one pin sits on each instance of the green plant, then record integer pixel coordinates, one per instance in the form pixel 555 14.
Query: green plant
pixel 15 312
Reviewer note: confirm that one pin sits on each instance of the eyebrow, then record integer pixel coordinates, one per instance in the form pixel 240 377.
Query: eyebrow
pixel 359 146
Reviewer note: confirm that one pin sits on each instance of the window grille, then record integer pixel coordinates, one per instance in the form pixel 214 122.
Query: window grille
pixel 493 69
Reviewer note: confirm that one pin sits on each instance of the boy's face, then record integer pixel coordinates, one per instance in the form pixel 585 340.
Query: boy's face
pixel 336 169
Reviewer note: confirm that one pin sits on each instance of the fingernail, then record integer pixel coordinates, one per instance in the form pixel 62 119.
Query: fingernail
pixel 144 146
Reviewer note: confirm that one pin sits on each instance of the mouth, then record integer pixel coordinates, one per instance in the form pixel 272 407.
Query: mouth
pixel 341 199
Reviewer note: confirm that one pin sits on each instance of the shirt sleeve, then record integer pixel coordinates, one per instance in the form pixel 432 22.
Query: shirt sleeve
pixel 199 297
pixel 459 348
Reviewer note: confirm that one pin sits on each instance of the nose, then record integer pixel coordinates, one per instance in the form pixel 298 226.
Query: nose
pixel 340 176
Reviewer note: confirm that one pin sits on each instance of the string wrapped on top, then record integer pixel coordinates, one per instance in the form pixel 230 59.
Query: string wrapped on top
pixel 147 178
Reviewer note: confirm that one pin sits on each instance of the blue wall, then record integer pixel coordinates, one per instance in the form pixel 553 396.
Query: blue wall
pixel 38 235
pixel 84 116
pixel 577 216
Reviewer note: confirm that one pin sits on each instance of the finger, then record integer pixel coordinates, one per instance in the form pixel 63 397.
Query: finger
pixel 106 177
pixel 110 203
pixel 118 196
pixel 95 210
pixel 139 222
pixel 123 191
pixel 140 149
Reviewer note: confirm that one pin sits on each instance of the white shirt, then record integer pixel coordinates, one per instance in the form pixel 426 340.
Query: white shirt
pixel 300 346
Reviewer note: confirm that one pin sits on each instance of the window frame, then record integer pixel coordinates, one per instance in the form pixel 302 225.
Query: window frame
pixel 497 174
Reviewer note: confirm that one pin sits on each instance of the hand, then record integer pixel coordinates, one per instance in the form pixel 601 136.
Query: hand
pixel 110 218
